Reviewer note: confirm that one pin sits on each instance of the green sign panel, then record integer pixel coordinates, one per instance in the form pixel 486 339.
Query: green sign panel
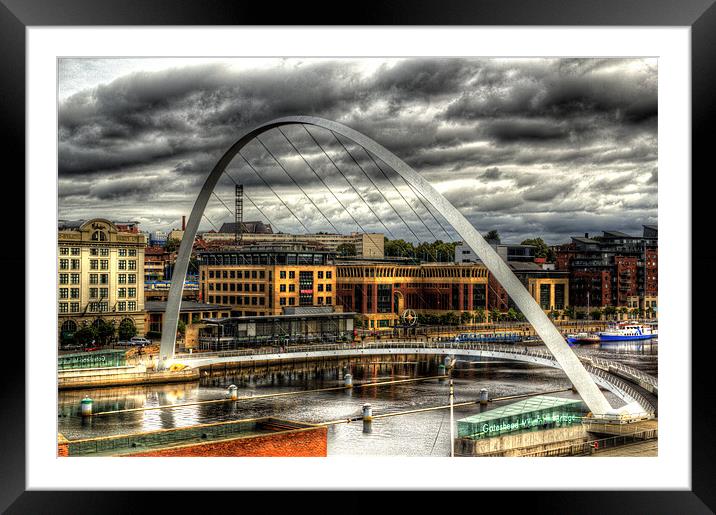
pixel 541 412
pixel 97 359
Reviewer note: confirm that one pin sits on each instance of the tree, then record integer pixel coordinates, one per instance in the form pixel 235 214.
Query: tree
pixel 126 330
pixel 596 314
pixel 479 315
pixel 465 317
pixel 495 315
pixel 541 249
pixel 181 328
pixel 346 249
pixel 492 237
pixel 106 331
pixel 609 312
pixel 172 245
pixel 86 334
pixel 569 311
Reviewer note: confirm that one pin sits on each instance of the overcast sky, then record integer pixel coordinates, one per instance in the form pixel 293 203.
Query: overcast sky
pixel 530 147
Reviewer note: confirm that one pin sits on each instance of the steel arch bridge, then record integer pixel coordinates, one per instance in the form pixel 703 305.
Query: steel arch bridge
pixel 549 334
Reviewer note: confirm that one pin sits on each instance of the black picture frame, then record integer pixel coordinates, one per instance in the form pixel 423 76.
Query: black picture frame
pixel 699 15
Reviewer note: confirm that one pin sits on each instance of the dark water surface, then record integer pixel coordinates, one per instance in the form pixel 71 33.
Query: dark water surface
pixel 418 434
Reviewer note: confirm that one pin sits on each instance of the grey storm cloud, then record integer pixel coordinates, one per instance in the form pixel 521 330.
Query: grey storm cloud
pixel 559 130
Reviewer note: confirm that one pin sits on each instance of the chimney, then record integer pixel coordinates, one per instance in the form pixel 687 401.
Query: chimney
pixel 183 222
pixel 586 234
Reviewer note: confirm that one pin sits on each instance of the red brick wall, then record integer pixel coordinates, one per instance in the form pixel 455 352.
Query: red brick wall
pixel 302 443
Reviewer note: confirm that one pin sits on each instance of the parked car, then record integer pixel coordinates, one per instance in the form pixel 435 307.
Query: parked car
pixel 135 341
pixel 138 341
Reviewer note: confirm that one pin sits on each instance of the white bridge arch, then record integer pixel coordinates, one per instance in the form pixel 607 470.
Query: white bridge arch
pixel 549 334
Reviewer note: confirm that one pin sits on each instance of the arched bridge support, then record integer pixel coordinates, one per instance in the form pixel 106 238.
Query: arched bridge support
pixel 559 348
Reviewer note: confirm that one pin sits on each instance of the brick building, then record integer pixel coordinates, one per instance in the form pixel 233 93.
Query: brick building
pixel 614 269
pixel 381 290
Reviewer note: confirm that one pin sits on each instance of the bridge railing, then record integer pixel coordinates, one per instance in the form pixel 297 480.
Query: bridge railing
pixel 631 373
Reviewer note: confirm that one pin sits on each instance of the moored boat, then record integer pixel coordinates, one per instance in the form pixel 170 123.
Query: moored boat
pixel 583 338
pixel 628 331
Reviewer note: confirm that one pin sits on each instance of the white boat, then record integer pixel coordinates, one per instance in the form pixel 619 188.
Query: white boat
pixel 628 331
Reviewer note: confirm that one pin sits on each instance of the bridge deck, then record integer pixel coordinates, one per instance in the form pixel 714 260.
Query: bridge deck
pixel 630 384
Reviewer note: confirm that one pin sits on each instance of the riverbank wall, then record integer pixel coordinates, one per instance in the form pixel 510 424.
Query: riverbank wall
pixel 120 376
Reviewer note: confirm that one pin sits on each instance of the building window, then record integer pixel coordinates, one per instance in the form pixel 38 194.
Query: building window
pixel 292 275
pixel 104 252
pixel 63 307
pixel 94 265
pixel 132 305
pixel 63 278
pixel 104 264
pixel 75 251
pixel 63 293
pixel 262 274
pixel 122 292
pixel 328 300
pixel 132 265
pixel 320 300
pixel 329 275
pixel 282 274
pixel 93 293
pixel 292 287
pixel 122 278
pixel 211 274
pixel 74 307
pixel 121 306
pixel 74 278
pixel 94 251
pixel 75 264
pixel 64 264
pixel 292 301
pixel 132 278
pixel 99 236
pixel 132 292
pixel 133 252
pixel 103 278
pixel 320 287
pixel 122 252
pixel 103 293
pixel 122 264
pixel 282 288
pixel 74 293
pixel 64 251
pixel 103 307
pixel 282 301
pixel 329 287
pixel 94 278
pixel 320 274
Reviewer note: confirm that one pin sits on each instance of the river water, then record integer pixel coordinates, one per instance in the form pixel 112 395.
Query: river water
pixel 419 434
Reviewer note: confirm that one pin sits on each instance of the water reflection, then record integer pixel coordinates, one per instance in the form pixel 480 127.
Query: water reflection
pixel 418 434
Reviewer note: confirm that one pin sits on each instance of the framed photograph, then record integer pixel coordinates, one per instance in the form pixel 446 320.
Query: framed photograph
pixel 391 255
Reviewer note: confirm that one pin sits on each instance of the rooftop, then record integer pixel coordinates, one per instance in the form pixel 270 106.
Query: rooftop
pixel 157 306
pixel 541 402
pixel 247 227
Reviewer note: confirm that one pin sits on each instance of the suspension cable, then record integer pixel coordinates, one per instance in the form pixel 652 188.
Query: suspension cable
pixel 420 197
pixel 376 186
pixel 296 183
pixel 399 193
pixel 212 223
pixel 434 254
pixel 273 191
pixel 349 182
pixel 360 227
